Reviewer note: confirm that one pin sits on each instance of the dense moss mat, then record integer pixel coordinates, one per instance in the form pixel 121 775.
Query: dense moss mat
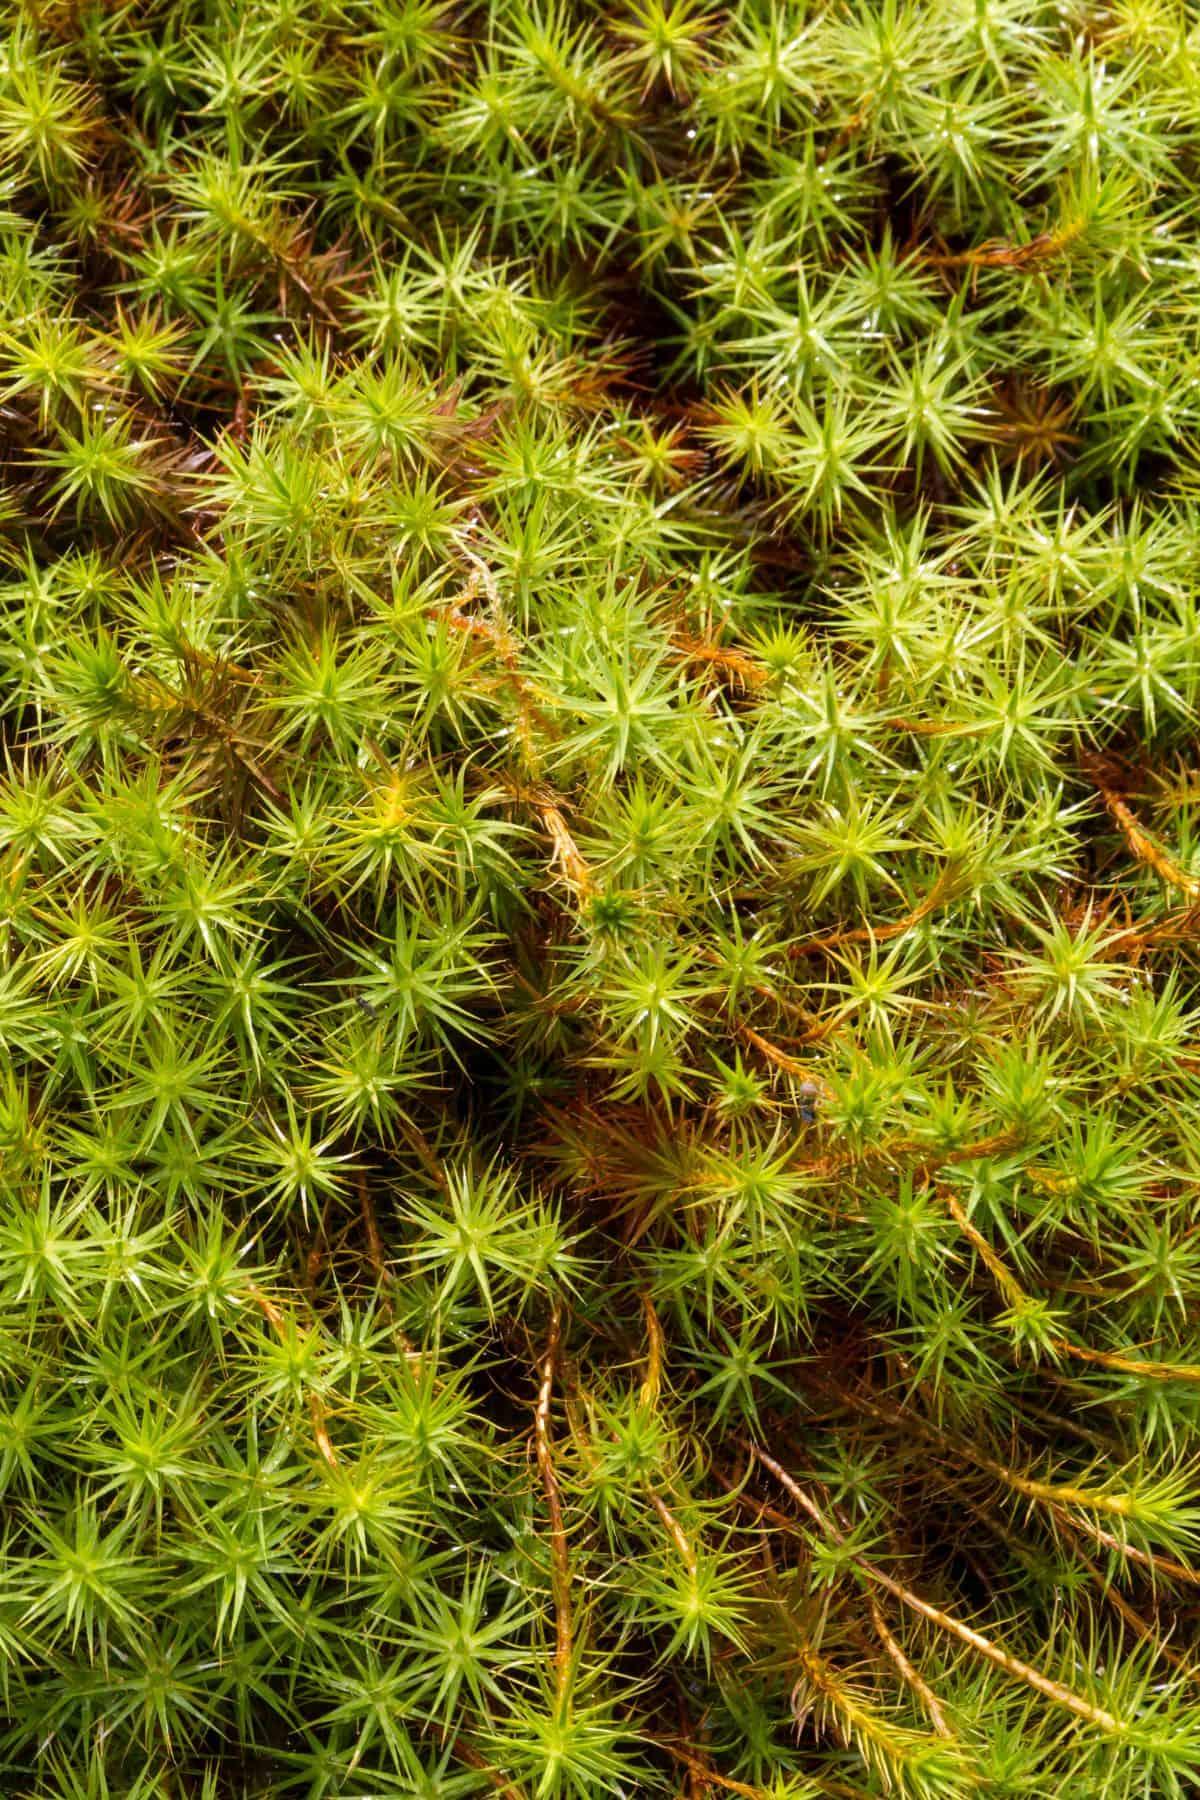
pixel 599 900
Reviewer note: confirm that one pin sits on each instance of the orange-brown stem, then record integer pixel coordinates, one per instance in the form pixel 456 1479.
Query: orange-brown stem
pixel 560 1558
pixel 678 1535
pixel 652 1380
pixel 946 1622
pixel 1143 847
pixel 1015 1296
pixel 321 1433
pixel 911 1676
pixel 941 891
pixel 999 253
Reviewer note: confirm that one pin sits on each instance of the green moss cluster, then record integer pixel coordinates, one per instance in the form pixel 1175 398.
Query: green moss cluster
pixel 599 899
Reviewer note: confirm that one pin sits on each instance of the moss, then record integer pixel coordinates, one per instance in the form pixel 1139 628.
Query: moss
pixel 599 886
